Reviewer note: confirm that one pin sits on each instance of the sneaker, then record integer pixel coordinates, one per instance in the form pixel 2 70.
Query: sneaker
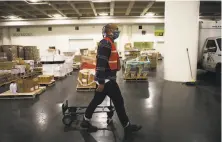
pixel 87 125
pixel 130 129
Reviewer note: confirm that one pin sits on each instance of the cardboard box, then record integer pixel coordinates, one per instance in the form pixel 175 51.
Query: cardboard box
pixel 8 65
pixel 25 85
pixel 45 78
pixel 36 83
pixel 86 78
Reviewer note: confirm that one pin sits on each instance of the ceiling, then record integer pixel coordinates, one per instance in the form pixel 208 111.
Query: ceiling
pixel 48 9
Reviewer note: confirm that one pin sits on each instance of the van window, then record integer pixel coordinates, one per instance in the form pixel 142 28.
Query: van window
pixel 219 42
pixel 210 44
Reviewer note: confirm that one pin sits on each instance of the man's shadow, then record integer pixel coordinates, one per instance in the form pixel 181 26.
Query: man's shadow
pixel 86 134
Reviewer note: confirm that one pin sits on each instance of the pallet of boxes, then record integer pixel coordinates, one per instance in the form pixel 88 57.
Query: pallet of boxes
pixel 7 66
pixel 23 88
pixel 46 80
pixel 24 82
pixel 76 62
pixel 85 81
pixel 137 69
pixel 153 57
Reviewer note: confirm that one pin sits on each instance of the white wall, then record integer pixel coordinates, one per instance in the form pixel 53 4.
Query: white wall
pixel 60 36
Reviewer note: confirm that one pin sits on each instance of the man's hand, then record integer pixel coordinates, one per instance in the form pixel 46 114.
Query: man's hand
pixel 100 88
pixel 118 65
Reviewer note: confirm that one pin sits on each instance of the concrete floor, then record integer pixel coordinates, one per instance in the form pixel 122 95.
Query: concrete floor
pixel 168 111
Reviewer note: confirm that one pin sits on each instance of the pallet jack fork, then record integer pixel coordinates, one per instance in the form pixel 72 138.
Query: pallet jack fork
pixel 71 113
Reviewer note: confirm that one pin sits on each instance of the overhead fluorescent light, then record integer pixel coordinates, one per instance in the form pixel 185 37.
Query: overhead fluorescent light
pixel 150 14
pixel 36 2
pixel 57 15
pixel 101 1
pixel 103 14
pixel 13 17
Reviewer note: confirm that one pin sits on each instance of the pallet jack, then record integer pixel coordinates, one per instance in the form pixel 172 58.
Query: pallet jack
pixel 71 113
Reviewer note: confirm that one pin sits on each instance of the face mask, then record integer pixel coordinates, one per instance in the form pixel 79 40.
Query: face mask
pixel 116 34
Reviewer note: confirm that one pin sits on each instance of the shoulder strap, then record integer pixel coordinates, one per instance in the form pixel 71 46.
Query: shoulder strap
pixel 108 39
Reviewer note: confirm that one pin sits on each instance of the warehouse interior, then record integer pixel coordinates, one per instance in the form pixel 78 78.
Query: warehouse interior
pixel 170 76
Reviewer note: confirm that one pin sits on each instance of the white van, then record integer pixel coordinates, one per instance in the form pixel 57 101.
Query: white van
pixel 211 58
pixel 210 46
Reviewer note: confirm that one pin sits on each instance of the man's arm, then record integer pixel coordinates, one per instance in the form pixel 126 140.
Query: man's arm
pixel 103 54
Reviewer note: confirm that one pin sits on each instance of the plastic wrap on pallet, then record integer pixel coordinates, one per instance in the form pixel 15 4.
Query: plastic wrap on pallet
pixel 137 68
pixel 31 63
pixel 15 71
pixel 58 70
pixel 69 64
pixel 21 68
pixel 53 58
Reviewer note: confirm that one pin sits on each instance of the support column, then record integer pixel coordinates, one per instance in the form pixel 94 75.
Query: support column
pixel 181 32
pixel 6 39
pixel 124 37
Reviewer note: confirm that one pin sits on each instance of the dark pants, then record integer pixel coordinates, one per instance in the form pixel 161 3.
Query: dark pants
pixel 112 90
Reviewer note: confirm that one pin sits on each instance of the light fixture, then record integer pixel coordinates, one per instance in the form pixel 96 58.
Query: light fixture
pixel 150 14
pixel 34 1
pixel 101 1
pixel 57 16
pixel 103 14
pixel 13 17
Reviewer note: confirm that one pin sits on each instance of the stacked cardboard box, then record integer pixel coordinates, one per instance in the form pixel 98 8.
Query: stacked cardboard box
pixel 45 78
pixel 3 57
pixel 128 46
pixel 6 65
pixel 11 51
pixel 27 85
pixel 86 78
pixel 153 57
pixel 84 51
pixel 31 53
pixel 76 61
pixel 20 51
pixel 38 69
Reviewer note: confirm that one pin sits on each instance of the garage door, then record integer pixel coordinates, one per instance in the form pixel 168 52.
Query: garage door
pixel 76 44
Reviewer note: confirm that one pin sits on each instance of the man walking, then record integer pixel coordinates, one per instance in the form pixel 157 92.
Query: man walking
pixel 107 65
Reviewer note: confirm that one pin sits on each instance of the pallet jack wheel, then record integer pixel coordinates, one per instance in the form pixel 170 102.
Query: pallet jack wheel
pixel 67 120
pixel 109 121
pixel 110 115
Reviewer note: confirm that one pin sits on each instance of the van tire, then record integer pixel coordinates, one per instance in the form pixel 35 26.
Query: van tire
pixel 199 65
pixel 218 73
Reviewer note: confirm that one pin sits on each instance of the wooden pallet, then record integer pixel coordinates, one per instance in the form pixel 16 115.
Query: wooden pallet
pixel 30 95
pixel 60 77
pixel 84 89
pixel 52 83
